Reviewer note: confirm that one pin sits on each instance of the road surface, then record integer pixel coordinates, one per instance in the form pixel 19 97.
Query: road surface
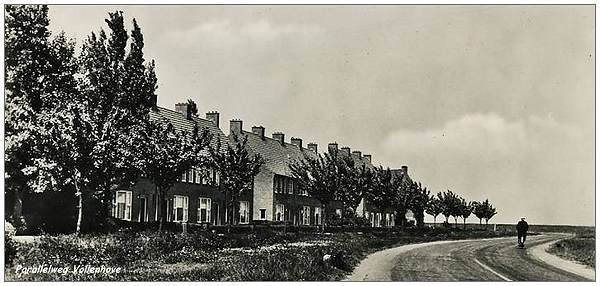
pixel 478 260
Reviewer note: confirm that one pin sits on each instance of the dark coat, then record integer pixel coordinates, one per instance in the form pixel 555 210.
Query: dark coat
pixel 522 227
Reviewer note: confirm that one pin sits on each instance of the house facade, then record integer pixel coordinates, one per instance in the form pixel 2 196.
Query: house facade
pixel 195 198
pixel 276 197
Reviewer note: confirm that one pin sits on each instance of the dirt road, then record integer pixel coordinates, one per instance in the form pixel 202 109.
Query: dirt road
pixel 470 260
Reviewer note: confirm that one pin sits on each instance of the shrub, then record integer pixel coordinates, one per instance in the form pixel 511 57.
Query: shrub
pixel 10 249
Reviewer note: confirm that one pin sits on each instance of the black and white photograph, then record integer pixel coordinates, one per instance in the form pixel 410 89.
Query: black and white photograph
pixel 357 142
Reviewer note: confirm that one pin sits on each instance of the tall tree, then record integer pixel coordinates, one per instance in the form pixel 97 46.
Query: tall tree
pixel 479 210
pixel 237 169
pixel 419 198
pixel 447 200
pixel 117 92
pixel 434 208
pixel 466 208
pixel 490 211
pixel 318 177
pixel 383 189
pixel 356 180
pixel 401 197
pixel 167 154
pixel 38 78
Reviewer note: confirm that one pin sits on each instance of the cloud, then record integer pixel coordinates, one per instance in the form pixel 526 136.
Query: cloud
pixel 535 166
pixel 225 33
pixel 481 133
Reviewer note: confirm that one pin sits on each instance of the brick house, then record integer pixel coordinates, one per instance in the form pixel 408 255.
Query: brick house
pixel 195 198
pixel 276 197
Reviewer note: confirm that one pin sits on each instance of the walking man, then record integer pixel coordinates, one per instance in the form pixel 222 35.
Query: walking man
pixel 522 228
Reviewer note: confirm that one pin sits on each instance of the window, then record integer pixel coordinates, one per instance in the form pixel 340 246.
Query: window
pixel 217 178
pixel 204 206
pixel 317 215
pixel 378 220
pixel 205 176
pixel 289 186
pixel 263 214
pixel 184 177
pixel 306 215
pixel 278 184
pixel 279 212
pixel 198 178
pixel 387 219
pixel 180 209
pixel 392 222
pixel 338 213
pixel 244 207
pixel 122 205
pixel 190 174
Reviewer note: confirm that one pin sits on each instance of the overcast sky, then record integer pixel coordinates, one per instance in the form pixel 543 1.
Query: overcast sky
pixel 488 101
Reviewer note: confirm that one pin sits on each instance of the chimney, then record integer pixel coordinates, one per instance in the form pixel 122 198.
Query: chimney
pixel 297 142
pixel 235 126
pixel 214 117
pixel 185 109
pixel 279 137
pixel 332 147
pixel 357 154
pixel 312 147
pixel 259 130
pixel 405 170
pixel 346 150
pixel 367 157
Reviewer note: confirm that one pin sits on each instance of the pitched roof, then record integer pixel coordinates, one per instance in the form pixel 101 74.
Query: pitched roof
pixel 276 156
pixel 358 161
pixel 183 124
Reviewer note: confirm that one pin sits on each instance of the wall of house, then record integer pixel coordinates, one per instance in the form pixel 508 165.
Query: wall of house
pixel 145 189
pixel 263 194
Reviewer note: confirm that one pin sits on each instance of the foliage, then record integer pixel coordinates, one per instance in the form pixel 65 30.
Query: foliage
pixel 484 210
pixel 419 198
pixel 450 203
pixel 317 177
pixel 168 153
pixel 117 92
pixel 434 207
pixel 465 210
pixel 237 169
pixel 580 248
pixel 38 78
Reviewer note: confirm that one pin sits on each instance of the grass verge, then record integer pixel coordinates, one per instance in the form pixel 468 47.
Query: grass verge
pixel 206 256
pixel 581 248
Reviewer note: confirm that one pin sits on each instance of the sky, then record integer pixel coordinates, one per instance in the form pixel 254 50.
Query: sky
pixel 491 102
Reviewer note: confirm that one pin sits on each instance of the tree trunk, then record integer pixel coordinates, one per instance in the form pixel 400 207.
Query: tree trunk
pixel 17 213
pixel 322 220
pixel 434 221
pixel 161 215
pixel 79 208
pixel 464 223
pixel 455 222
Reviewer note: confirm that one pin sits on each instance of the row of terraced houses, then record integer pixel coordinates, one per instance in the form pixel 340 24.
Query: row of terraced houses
pixel 197 199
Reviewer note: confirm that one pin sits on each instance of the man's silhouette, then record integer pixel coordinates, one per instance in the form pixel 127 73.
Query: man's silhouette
pixel 522 228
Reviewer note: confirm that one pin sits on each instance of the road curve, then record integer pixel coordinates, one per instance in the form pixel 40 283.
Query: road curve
pixel 495 259
pixel 478 260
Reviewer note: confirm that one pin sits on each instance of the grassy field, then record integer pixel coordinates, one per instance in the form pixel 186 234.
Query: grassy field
pixel 581 248
pixel 206 256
